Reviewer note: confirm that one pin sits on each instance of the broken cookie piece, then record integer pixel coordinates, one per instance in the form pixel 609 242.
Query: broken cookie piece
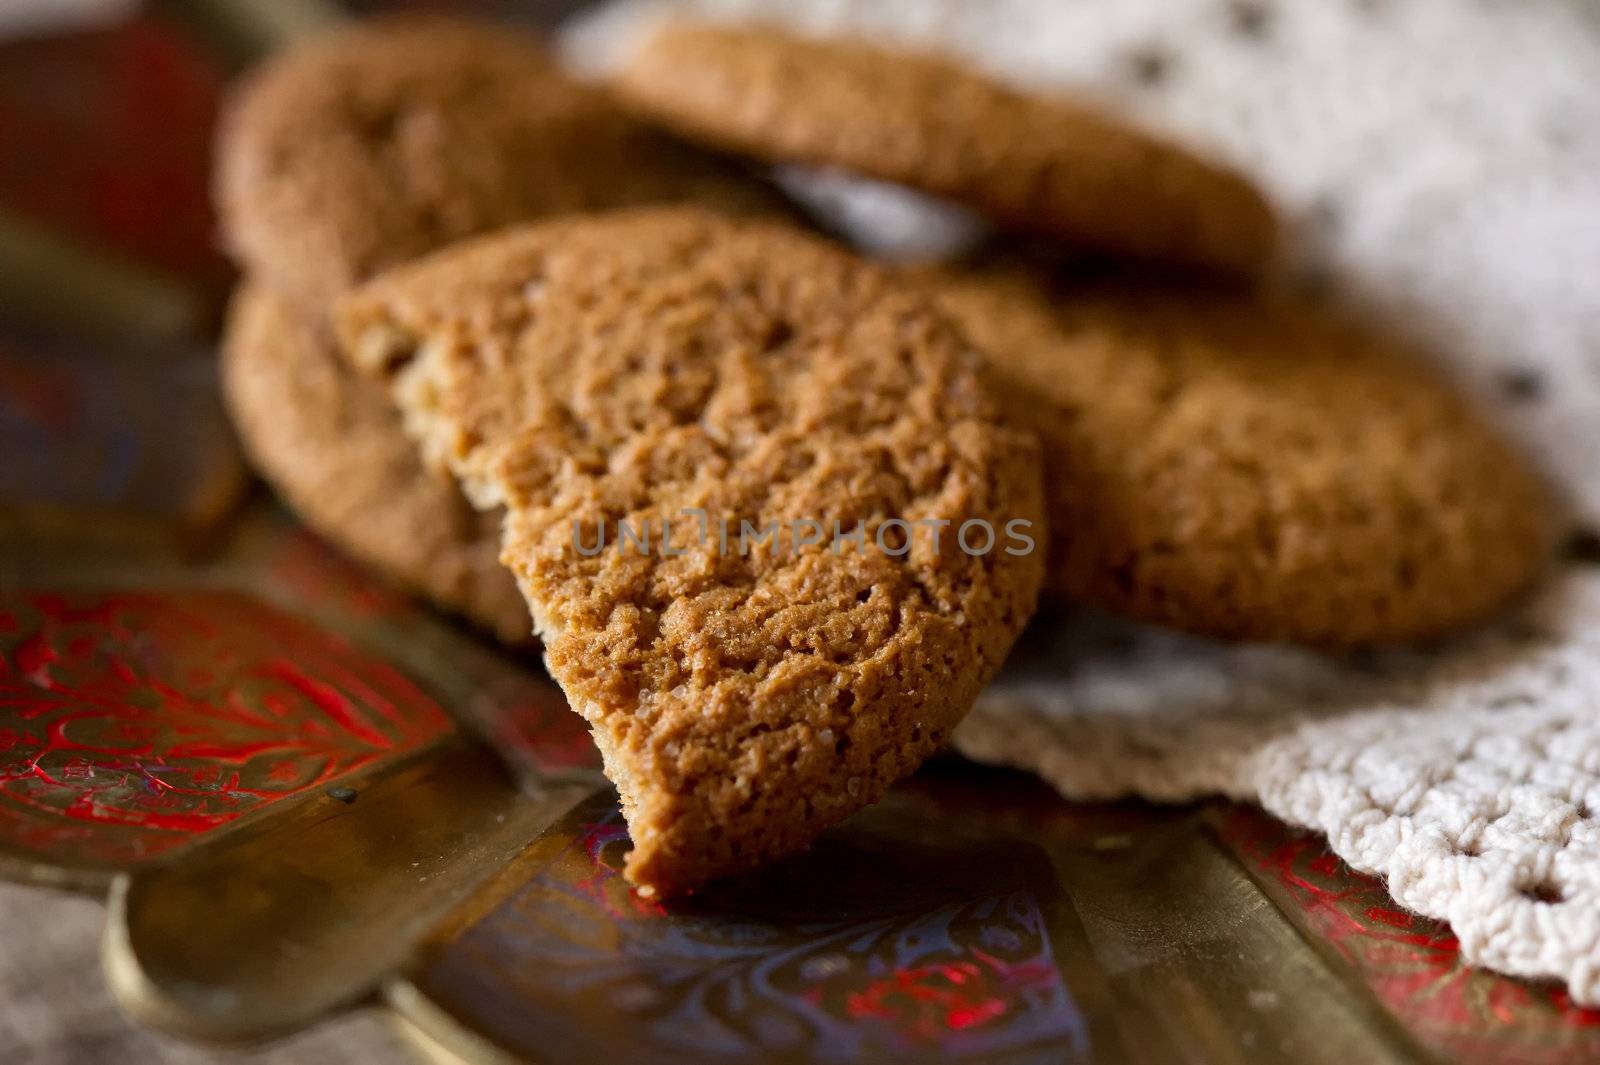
pixel 772 528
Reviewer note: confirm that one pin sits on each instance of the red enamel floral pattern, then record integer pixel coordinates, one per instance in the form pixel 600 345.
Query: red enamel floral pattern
pixel 1411 964
pixel 884 943
pixel 131 722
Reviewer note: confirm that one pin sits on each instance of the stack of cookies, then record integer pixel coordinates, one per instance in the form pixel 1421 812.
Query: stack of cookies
pixel 560 359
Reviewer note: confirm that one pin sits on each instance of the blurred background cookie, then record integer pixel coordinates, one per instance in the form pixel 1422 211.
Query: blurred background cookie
pixel 1030 163
pixel 369 146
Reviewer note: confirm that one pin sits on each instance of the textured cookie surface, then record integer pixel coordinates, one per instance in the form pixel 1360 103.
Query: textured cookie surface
pixel 1031 163
pixel 375 144
pixel 623 368
pixel 1244 467
pixel 332 444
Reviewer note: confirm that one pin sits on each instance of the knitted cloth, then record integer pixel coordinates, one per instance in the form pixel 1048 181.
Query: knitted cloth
pixel 1437 161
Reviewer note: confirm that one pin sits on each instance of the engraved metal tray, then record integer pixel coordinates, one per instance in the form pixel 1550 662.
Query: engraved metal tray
pixel 301 793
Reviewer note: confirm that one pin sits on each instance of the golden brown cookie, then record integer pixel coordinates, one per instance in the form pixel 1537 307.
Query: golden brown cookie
pixel 332 444
pixel 375 144
pixel 631 367
pixel 1031 163
pixel 1248 467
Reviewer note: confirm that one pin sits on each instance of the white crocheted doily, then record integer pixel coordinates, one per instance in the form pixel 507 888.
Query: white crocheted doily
pixel 1440 162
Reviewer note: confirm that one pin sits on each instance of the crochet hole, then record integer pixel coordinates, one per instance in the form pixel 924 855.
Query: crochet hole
pixel 1546 893
pixel 1469 850
pixel 1149 66
pixel 1250 20
pixel 1582 547
pixel 1522 386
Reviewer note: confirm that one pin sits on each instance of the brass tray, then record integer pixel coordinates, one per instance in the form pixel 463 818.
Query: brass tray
pixel 301 793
